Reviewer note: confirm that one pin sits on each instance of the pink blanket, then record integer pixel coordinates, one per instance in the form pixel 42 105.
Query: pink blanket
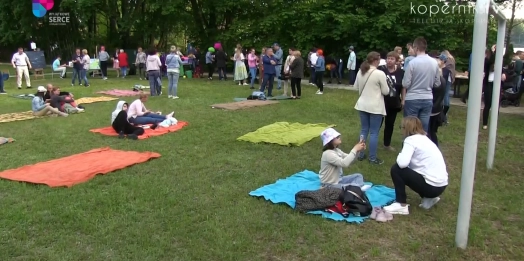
pixel 122 93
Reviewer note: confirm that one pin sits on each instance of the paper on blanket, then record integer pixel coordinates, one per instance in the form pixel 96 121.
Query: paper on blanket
pixel 285 133
pixel 284 190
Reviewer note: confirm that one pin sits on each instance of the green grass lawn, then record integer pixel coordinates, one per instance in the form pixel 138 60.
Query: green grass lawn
pixel 193 202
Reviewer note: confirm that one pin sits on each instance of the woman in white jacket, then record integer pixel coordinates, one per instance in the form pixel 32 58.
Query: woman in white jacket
pixel 420 166
pixel 372 86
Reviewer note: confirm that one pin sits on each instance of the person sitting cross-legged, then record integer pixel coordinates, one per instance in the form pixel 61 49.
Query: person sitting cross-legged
pixel 420 166
pixel 121 125
pixel 138 114
pixel 40 108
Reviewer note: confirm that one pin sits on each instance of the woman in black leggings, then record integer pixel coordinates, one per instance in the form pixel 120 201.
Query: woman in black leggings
pixel 393 106
pixel 489 77
pixel 297 73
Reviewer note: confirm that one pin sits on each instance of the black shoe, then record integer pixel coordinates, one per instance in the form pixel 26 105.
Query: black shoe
pixel 28 87
pixel 20 88
pixel 329 82
pixel 154 126
pixel 251 87
pixel 132 136
pixel 463 99
pixel 339 82
pixel 376 161
pixel 121 135
pixel 361 156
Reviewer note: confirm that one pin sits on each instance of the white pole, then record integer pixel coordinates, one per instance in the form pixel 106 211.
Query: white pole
pixel 472 124
pixel 494 114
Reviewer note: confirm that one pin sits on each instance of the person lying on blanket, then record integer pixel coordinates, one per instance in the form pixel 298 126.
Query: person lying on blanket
pixel 334 160
pixel 122 126
pixel 138 114
pixel 49 93
pixel 40 108
pixel 64 103
pixel 420 166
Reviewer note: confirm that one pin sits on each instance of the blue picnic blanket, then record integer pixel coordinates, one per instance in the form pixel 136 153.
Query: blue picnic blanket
pixel 284 190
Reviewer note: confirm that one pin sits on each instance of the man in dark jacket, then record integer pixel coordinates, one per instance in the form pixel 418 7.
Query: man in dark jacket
pixel 269 62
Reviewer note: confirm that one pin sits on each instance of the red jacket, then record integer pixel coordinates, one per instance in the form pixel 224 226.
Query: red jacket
pixel 122 60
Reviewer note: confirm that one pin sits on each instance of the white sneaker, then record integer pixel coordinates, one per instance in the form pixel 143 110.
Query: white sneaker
pixel 246 84
pixel 175 97
pixel 428 203
pixel 320 93
pixel 170 115
pixel 397 209
pixel 170 96
pixel 365 187
pixel 79 110
pixel 239 84
pixel 317 92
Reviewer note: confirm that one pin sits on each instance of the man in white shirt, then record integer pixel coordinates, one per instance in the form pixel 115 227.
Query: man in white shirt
pixel 314 58
pixel 352 63
pixel 22 65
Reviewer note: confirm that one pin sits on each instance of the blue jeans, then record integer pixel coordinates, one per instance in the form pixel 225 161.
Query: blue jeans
pixel 268 81
pixel 154 79
pixel 124 71
pixel 76 74
pixel 349 180
pixel 370 124
pixel 278 69
pixel 83 76
pixel 148 118
pixel 172 78
pixel 253 72
pixel 1 82
pixel 420 109
pixel 312 75
pixel 446 97
pixel 519 83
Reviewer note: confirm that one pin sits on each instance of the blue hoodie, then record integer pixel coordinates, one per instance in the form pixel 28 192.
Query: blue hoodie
pixel 320 66
pixel 37 104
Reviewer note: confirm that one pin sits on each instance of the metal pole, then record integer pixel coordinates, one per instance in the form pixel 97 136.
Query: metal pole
pixel 494 114
pixel 472 124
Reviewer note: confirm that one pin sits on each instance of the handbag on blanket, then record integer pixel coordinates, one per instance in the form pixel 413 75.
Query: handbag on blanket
pixel 355 201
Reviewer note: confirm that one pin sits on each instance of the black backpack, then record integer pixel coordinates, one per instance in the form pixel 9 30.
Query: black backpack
pixel 355 201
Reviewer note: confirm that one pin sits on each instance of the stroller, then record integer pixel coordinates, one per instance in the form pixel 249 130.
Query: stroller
pixel 509 95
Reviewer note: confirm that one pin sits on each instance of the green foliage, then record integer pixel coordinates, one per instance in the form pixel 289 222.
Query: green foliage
pixel 328 24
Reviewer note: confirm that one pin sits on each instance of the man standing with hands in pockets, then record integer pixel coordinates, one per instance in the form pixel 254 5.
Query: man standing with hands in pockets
pixel 22 65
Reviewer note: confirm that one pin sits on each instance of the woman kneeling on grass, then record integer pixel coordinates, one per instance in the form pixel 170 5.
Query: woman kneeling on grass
pixel 40 108
pixel 122 126
pixel 420 166
pixel 334 160
pixel 137 113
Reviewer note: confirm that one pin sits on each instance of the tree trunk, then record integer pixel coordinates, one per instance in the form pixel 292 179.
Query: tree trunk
pixel 511 22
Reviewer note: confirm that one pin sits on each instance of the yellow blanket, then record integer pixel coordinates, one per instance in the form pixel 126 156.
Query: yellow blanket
pixel 28 115
pixel 285 133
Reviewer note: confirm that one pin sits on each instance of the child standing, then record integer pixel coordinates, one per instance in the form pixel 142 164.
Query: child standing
pixel 334 160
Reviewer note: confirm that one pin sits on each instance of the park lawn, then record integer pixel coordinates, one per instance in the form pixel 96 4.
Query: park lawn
pixel 193 202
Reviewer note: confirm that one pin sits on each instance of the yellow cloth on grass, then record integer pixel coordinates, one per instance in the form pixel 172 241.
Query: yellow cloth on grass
pixel 85 100
pixel 285 133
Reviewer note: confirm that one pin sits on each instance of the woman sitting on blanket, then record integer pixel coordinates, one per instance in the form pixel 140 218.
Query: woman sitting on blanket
pixel 61 100
pixel 122 126
pixel 334 160
pixel 139 115
pixel 40 108
pixel 420 166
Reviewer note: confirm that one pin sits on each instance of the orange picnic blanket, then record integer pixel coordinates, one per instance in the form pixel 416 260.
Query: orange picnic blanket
pixel 147 132
pixel 78 168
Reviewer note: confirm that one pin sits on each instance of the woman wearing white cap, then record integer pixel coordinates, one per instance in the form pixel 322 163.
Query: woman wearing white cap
pixel 334 160
pixel 40 108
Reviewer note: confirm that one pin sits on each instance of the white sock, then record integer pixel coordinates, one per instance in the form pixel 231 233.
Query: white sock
pixel 170 115
pixel 365 187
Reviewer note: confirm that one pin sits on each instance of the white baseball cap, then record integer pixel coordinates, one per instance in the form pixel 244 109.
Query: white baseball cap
pixel 328 135
pixel 41 89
